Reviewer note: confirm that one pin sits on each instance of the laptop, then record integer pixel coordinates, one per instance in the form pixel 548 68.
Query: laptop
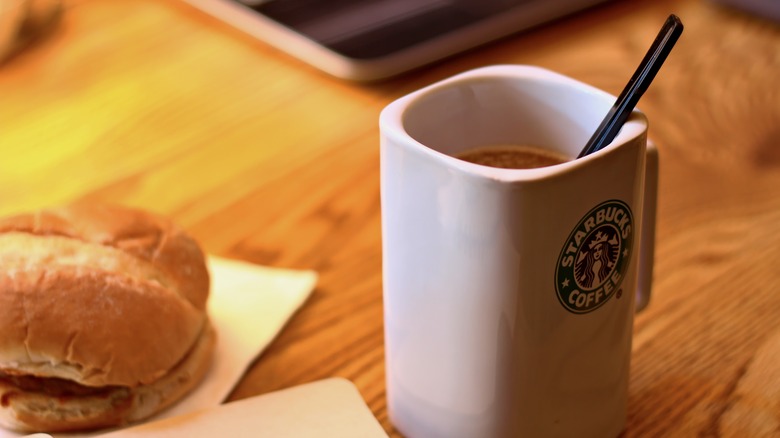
pixel 367 40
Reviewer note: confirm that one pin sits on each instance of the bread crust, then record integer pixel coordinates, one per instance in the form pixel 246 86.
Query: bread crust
pixel 93 327
pixel 40 412
pixel 103 296
pixel 136 232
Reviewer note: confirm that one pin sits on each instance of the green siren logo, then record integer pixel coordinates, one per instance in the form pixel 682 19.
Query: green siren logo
pixel 594 258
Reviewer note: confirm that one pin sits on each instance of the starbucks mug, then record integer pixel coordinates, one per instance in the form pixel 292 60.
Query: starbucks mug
pixel 509 294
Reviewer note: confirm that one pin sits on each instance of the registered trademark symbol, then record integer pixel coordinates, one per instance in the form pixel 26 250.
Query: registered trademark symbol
pixel 619 293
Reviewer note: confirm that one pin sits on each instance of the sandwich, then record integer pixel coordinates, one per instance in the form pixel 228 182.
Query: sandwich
pixel 103 317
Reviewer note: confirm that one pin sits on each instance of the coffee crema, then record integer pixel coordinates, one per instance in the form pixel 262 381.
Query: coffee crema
pixel 510 156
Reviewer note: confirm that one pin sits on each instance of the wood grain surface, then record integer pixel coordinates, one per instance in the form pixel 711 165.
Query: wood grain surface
pixel 153 104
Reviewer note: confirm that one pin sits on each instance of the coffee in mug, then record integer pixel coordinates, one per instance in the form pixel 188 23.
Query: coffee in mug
pixel 510 156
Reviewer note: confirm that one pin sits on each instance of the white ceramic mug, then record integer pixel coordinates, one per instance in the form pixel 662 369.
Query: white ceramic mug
pixel 509 293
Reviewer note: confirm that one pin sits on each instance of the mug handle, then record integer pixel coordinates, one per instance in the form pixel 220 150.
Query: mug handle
pixel 647 236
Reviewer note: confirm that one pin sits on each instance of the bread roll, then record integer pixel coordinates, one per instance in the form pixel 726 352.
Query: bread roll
pixel 102 317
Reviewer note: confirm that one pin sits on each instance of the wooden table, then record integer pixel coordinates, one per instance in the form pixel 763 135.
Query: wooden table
pixel 153 104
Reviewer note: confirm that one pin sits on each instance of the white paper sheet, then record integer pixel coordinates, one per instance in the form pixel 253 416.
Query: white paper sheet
pixel 248 305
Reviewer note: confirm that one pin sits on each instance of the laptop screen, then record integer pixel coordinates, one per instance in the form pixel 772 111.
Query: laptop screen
pixel 365 29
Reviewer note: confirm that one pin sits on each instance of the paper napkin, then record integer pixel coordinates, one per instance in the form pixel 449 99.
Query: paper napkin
pixel 248 306
pixel 327 408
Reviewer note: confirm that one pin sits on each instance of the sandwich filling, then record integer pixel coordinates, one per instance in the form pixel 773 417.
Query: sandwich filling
pixel 52 386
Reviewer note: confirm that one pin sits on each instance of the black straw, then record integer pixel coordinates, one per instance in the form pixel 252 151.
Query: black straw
pixel 636 86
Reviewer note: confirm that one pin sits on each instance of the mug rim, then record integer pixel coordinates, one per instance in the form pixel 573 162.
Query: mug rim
pixel 391 122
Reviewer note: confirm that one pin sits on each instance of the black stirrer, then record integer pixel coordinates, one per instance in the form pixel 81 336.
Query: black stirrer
pixel 636 86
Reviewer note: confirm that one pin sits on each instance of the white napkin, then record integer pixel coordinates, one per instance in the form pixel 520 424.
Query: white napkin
pixel 327 408
pixel 248 306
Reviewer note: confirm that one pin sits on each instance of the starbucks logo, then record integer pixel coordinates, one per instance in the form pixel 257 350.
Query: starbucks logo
pixel 594 258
